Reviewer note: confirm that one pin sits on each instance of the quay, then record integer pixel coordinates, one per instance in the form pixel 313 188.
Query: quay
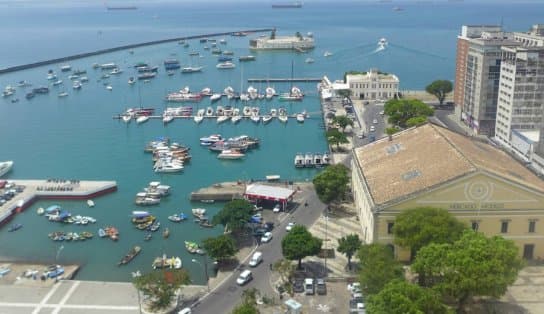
pixel 221 192
pixel 52 189
pixel 288 80
pixel 293 116
pixel 131 46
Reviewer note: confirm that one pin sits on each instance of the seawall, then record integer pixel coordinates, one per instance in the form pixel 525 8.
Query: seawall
pixel 131 46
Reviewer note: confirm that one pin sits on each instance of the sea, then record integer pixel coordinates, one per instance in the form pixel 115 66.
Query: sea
pixel 76 137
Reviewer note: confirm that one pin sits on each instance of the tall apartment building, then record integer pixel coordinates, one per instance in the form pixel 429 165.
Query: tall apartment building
pixel 520 103
pixel 467 32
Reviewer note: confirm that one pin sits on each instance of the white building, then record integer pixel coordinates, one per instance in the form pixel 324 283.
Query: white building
pixel 282 43
pixel 373 85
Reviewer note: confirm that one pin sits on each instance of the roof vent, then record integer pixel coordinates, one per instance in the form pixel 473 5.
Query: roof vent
pixel 393 149
pixel 411 175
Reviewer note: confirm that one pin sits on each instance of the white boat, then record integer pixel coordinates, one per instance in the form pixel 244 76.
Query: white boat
pixel 273 112
pixel 301 117
pixel 40 211
pixel 244 97
pixel 109 87
pixel 73 77
pixel 116 71
pixel 191 69
pixel 223 41
pixel 327 54
pixel 206 91
pixel 209 112
pixel 270 92
pixel 221 119
pixel 142 119
pixel 309 60
pixel 229 90
pixel 207 141
pixel 246 111
pixel 90 203
pixel 168 168
pixel 5 167
pixel 167 118
pixel 57 83
pixel 65 68
pixel 199 116
pixel 51 76
pixel 267 118
pixel 236 118
pixel 226 65
pixel 131 80
pixel 62 94
pixel 76 85
pixel 308 160
pixel 299 160
pixel 318 160
pixel 220 111
pixel 382 43
pixel 199 212
pixel 215 97
pixel 255 118
pixel 84 79
pixel 126 118
pixel 230 154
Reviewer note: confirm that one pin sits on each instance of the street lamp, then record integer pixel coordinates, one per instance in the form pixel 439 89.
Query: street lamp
pixel 205 266
pixel 137 274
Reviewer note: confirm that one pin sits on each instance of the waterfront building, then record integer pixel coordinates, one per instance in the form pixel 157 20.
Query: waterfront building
pixel 521 90
pixel 273 42
pixel 430 166
pixel 372 85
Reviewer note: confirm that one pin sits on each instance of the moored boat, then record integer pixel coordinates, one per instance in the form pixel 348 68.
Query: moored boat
pixel 230 154
pixel 130 255
pixel 15 227
pixel 5 167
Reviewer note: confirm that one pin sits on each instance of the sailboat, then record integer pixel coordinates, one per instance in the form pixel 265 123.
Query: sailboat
pixel 294 94
pixel 191 68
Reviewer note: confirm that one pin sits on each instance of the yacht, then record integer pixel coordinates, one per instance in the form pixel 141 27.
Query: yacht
pixel 225 65
pixel 207 141
pixel 299 160
pixel 5 167
pixel 191 69
pixel 301 117
pixel 215 97
pixel 167 167
pixel 76 85
pixel 327 54
pixel 308 160
pixel 199 116
pixel 270 92
pixel 142 119
pixel 230 154
pixel 63 94
pixel 309 60
pixel 267 118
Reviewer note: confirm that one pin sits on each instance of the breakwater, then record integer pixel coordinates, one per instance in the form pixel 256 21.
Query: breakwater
pixel 131 46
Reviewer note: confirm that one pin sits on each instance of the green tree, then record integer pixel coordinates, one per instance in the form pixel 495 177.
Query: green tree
pixel 474 265
pixel 245 308
pixel 335 137
pixel 415 121
pixel 299 243
pixel 390 132
pixel 418 227
pixel 348 245
pixel 331 184
pixel 161 286
pixel 221 248
pixel 399 111
pixel 401 297
pixel 234 215
pixel 439 88
pixel 378 267
pixel 342 121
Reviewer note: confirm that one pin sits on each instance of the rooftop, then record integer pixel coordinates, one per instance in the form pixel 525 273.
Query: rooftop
pixel 424 157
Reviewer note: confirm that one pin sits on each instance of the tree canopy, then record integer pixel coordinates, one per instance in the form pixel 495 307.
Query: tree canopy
pixel 401 297
pixel 245 308
pixel 415 228
pixel 378 267
pixel 474 265
pixel 348 245
pixel 399 111
pixel 439 88
pixel 342 121
pixel 335 137
pixel 221 247
pixel 161 286
pixel 332 183
pixel 234 215
pixel 299 243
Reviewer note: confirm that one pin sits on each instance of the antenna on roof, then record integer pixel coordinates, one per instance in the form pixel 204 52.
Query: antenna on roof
pixel 501 23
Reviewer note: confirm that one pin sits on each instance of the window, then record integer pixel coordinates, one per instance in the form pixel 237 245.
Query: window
pixel 390 227
pixel 475 225
pixel 504 227
pixel 532 226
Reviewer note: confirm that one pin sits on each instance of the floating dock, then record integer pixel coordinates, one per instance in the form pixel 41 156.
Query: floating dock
pixel 221 192
pixel 52 189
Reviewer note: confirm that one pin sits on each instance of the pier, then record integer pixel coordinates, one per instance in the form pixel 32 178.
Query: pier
pixel 222 192
pixel 288 80
pixel 52 189
pixel 131 46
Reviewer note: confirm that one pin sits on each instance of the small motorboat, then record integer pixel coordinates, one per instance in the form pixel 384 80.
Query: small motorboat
pixel 192 247
pixel 130 255
pixel 142 119
pixel 40 211
pixel 15 227
pixel 166 233
pixel 90 203
pixel 102 233
pixel 301 117
pixel 267 118
pixel 148 237
pixel 199 212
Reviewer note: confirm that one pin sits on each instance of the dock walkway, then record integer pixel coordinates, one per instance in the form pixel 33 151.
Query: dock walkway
pixel 225 191
pixel 52 189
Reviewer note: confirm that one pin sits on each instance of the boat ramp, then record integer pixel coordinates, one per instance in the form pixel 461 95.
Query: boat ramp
pixel 33 190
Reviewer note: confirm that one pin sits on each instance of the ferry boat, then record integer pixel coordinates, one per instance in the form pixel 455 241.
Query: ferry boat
pixel 5 167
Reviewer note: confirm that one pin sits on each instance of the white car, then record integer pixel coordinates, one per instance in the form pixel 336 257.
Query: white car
pixel 372 128
pixel 354 287
pixel 381 113
pixel 289 226
pixel 375 121
pixel 276 209
pixel 267 236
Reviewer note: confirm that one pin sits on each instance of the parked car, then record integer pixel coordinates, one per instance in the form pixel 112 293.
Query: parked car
pixel 321 286
pixel 54 271
pixel 266 237
pixel 277 208
pixel 309 287
pixel 269 226
pixel 289 226
pixel 375 121
pixel 298 286
pixel 381 113
pixel 354 287
pixel 244 277
pixel 372 128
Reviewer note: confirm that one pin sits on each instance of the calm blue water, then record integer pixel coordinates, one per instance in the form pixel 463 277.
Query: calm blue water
pixel 76 137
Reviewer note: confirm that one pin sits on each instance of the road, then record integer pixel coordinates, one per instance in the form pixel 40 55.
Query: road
pixel 226 296
pixel 366 114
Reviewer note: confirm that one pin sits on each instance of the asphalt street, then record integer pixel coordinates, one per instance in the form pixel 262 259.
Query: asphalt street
pixel 227 295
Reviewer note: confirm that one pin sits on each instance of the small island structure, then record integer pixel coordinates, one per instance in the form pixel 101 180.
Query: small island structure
pixel 273 42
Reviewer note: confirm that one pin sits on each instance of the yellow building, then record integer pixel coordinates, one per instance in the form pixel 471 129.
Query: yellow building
pixel 429 166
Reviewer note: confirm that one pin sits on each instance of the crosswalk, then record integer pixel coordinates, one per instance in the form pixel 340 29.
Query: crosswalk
pixel 333 229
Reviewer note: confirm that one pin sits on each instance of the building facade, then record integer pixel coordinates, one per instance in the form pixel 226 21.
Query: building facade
pixel 429 166
pixel 373 85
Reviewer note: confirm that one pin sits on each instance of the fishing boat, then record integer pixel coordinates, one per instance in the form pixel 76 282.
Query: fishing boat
pixel 15 227
pixel 166 233
pixel 130 255
pixel 191 247
pixel 5 167
pixel 199 212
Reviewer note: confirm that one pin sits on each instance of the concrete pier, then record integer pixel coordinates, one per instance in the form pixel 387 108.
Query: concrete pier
pixel 52 189
pixel 225 191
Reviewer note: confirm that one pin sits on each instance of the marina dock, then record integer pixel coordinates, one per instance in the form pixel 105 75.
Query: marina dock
pixel 52 189
pixel 288 80
pixel 225 191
